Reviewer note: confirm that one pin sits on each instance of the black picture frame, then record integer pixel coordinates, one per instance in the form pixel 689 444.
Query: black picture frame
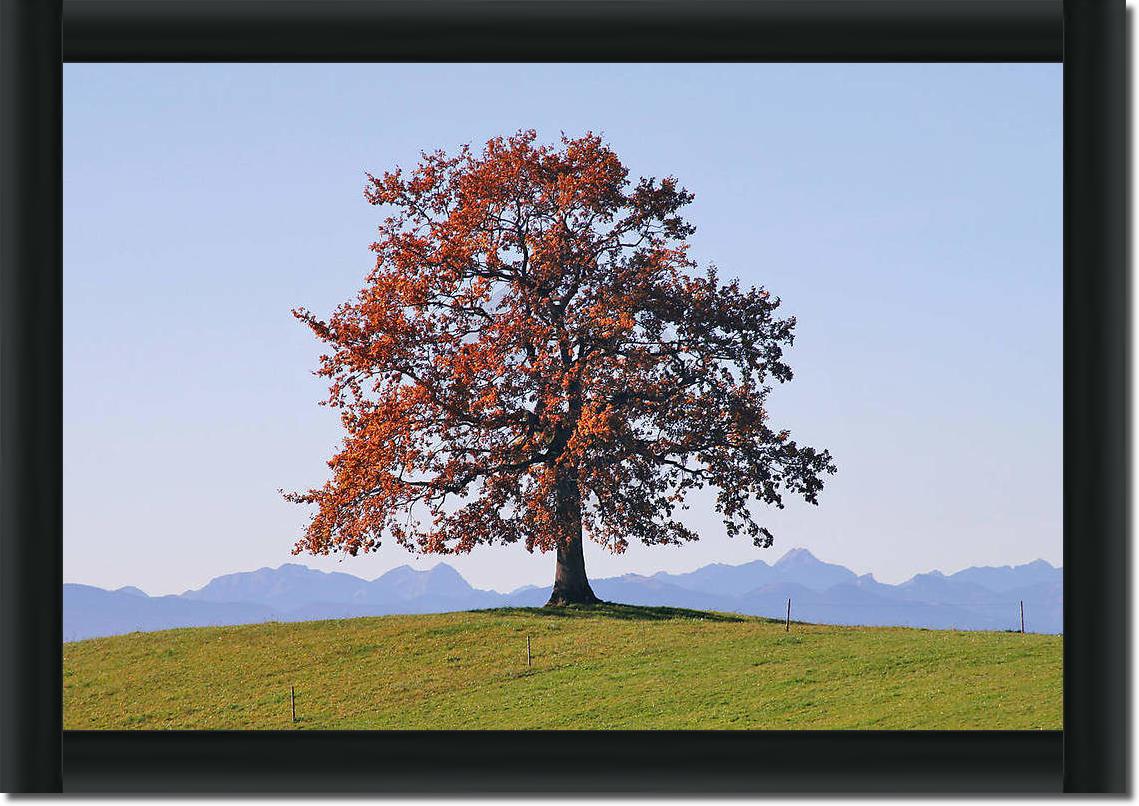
pixel 36 36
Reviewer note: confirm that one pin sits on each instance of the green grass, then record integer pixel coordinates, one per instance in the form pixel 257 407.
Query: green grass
pixel 604 667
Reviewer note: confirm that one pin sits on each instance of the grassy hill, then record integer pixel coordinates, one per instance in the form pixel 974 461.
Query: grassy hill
pixel 607 667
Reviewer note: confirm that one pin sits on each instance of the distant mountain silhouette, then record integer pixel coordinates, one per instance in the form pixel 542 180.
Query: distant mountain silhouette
pixel 294 590
pixel 284 587
pixel 90 612
pixel 979 598
pixel 1008 577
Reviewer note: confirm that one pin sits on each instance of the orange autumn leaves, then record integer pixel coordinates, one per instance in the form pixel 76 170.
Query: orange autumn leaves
pixel 533 324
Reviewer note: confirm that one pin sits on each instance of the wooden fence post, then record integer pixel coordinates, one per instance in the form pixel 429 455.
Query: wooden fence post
pixel 293 700
pixel 788 614
pixel 527 650
pixel 1022 616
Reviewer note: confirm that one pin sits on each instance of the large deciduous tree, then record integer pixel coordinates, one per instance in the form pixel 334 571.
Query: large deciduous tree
pixel 536 358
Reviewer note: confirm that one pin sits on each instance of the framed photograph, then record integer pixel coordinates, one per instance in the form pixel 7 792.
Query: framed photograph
pixel 618 396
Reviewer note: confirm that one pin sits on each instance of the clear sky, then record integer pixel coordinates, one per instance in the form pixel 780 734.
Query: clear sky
pixel 909 215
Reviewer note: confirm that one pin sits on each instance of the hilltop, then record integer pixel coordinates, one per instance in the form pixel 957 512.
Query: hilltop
pixel 606 667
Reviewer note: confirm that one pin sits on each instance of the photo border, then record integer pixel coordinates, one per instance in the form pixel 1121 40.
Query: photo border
pixel 36 755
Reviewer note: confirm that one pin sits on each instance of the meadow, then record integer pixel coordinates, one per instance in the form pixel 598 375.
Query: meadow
pixel 601 667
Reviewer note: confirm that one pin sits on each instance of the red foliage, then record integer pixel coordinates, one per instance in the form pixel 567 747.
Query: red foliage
pixel 535 356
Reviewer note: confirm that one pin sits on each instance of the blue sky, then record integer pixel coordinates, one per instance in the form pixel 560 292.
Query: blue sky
pixel 909 215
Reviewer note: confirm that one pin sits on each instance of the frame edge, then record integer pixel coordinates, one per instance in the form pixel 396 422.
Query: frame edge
pixel 31 397
pixel 1096 701
pixel 563 30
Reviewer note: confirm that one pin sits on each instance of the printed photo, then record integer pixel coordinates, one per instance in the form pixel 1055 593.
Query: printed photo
pixel 562 396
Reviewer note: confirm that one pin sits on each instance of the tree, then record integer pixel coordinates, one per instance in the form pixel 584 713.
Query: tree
pixel 535 358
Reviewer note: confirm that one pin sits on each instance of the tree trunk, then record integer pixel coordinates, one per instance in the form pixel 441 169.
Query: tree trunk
pixel 571 586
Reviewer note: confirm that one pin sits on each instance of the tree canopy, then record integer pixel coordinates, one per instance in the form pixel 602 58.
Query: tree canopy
pixel 535 358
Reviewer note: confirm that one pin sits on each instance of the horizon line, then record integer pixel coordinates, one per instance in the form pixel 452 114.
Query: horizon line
pixel 443 562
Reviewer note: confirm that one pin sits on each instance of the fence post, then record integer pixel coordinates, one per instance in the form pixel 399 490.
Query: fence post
pixel 293 700
pixel 1022 616
pixel 788 614
pixel 527 650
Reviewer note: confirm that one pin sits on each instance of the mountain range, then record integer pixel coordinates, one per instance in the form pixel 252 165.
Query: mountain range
pixel 977 598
